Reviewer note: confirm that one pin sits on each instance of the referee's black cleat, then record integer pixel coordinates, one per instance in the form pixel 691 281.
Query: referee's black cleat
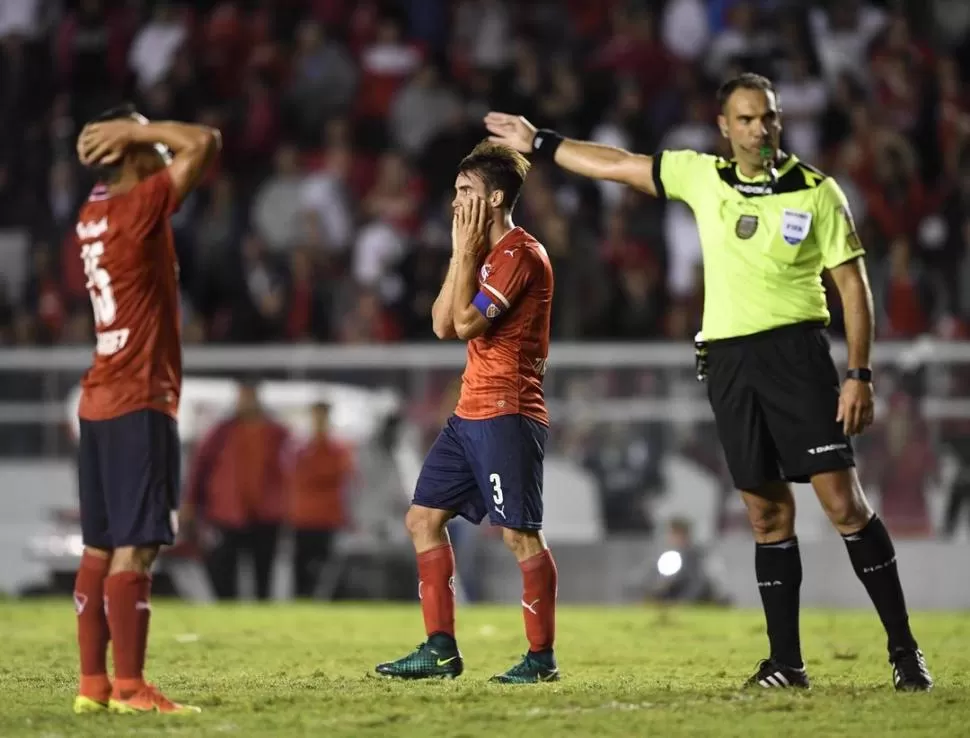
pixel 909 670
pixel 773 675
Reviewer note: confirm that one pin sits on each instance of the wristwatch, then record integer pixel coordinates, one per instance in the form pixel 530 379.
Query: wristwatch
pixel 863 375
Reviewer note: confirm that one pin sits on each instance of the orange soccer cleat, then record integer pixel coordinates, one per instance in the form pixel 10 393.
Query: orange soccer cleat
pixel 148 699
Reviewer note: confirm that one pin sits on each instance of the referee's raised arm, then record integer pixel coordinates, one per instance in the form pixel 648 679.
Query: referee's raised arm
pixel 585 158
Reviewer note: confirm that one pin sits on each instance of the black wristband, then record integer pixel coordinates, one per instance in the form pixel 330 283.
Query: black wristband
pixel 545 143
pixel 863 375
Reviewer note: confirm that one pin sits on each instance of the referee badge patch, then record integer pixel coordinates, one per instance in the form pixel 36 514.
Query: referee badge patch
pixel 795 225
pixel 746 226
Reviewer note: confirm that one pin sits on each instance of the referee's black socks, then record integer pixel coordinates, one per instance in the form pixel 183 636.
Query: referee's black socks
pixel 874 560
pixel 778 567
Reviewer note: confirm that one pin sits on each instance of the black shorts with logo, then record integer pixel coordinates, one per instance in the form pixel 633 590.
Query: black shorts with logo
pixel 775 397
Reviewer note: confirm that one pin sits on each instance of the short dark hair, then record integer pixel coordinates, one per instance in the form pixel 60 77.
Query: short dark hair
pixel 746 81
pixel 500 168
pixel 125 110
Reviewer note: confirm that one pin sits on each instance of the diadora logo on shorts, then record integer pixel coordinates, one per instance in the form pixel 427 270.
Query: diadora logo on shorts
pixel 826 449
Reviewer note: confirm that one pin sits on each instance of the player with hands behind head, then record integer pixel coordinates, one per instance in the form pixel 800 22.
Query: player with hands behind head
pixel 128 455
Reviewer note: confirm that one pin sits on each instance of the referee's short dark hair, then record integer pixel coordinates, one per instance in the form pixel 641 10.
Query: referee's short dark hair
pixel 746 81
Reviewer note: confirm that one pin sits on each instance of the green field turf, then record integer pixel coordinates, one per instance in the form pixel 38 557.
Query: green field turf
pixel 294 670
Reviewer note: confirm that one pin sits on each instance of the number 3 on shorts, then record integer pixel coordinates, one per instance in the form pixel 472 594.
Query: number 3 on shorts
pixel 496 481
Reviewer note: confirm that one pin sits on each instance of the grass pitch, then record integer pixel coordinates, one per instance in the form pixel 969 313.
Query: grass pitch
pixel 303 670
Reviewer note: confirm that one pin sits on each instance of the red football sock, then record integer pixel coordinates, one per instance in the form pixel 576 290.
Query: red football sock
pixel 436 589
pixel 127 602
pixel 92 624
pixel 540 582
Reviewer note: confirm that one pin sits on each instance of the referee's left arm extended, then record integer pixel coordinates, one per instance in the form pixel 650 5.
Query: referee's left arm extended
pixel 584 158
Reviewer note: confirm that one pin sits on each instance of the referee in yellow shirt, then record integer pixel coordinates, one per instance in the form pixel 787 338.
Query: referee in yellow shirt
pixel 769 225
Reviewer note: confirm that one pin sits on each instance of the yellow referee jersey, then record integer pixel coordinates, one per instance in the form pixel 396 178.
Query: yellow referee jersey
pixel 765 242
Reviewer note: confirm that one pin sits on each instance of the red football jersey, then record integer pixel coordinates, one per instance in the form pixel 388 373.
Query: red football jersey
pixel 505 366
pixel 132 277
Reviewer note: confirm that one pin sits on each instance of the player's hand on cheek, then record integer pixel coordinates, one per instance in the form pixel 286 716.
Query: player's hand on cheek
pixel 454 227
pixel 471 227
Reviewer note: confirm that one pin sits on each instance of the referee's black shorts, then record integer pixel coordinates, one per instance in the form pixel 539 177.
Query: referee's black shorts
pixel 775 397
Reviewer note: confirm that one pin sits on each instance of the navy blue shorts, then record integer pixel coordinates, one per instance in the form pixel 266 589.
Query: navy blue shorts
pixel 128 480
pixel 487 467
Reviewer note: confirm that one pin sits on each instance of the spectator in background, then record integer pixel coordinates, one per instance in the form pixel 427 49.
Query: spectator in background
pixel 156 45
pixel 62 197
pixel 685 29
pixel 326 195
pixel 804 98
pixel 741 43
pixel 277 204
pixel 421 109
pixel 308 301
pixel 482 33
pixel 323 82
pixel 257 301
pixel 45 298
pixel 842 32
pixel 317 507
pixel 379 498
pixel 235 496
pixel 903 294
pixel 385 65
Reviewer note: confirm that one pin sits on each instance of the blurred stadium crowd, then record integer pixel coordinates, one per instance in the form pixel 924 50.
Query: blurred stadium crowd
pixel 328 218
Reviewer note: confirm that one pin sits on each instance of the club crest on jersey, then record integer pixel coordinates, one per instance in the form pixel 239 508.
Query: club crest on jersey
pixel 485 271
pixel 746 226
pixel 491 312
pixel 795 225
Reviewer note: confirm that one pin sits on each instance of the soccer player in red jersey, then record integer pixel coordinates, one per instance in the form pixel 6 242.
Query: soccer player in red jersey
pixel 488 458
pixel 128 465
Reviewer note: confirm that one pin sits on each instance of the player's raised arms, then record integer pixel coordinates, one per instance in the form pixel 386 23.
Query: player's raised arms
pixel 192 146
pixel 579 157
